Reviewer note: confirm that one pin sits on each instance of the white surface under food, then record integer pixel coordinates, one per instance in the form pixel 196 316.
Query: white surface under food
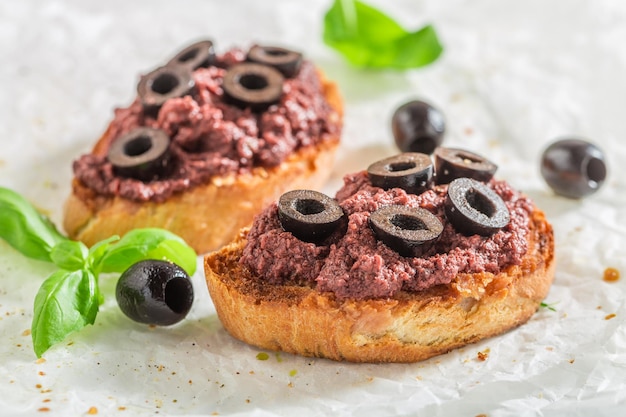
pixel 514 77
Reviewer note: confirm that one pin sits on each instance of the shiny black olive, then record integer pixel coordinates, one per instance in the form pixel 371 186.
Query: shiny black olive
pixel 156 87
pixel 413 172
pixel 310 215
pixel 197 55
pixel 573 168
pixel 142 153
pixel 408 231
pixel 453 163
pixel 417 126
pixel 474 208
pixel 284 60
pixel 155 292
pixel 253 85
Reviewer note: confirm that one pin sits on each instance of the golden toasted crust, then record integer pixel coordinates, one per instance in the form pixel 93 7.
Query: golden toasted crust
pixel 206 216
pixel 407 328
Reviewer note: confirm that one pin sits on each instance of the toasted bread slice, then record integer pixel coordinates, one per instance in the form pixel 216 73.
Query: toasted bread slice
pixel 409 327
pixel 209 215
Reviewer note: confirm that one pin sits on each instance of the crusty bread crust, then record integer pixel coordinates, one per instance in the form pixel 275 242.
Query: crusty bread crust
pixel 209 215
pixel 407 328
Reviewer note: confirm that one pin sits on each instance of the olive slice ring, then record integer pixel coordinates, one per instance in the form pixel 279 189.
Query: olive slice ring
pixel 309 215
pixel 407 230
pixel 284 60
pixel 410 171
pixel 142 153
pixel 252 85
pixel 200 54
pixel 474 208
pixel 451 163
pixel 158 86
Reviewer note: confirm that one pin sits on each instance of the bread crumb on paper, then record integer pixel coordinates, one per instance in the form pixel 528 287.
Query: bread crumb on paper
pixel 484 355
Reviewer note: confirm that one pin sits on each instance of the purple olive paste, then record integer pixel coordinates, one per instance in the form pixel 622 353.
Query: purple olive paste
pixel 356 265
pixel 211 137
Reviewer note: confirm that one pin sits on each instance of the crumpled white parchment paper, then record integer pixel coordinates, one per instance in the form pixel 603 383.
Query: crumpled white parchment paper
pixel 514 77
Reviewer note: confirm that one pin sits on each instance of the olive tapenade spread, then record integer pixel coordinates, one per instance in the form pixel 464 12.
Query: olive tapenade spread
pixel 196 100
pixel 355 262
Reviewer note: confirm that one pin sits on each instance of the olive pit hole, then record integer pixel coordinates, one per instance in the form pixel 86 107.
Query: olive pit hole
pixel 401 166
pixel 276 52
pixel 138 146
pixel 253 82
pixel 480 202
pixel 189 55
pixel 309 206
pixel 164 83
pixel 469 159
pixel 596 170
pixel 177 295
pixel 405 222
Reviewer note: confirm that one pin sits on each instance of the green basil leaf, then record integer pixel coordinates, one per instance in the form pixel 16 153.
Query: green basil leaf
pixel 368 38
pixel 97 251
pixel 69 255
pixel 24 228
pixel 148 243
pixel 66 302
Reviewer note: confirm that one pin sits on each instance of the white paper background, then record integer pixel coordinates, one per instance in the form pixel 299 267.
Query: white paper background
pixel 515 76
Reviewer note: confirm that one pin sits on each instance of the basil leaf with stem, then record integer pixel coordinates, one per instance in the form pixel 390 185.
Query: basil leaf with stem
pixel 66 302
pixel 69 255
pixel 369 38
pixel 69 299
pixel 148 243
pixel 97 251
pixel 24 228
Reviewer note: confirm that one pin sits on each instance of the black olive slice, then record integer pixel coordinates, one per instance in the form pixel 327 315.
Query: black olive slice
pixel 197 55
pixel 284 60
pixel 309 215
pixel 474 208
pixel 413 172
pixel 451 163
pixel 142 154
pixel 163 83
pixel 253 85
pixel 407 230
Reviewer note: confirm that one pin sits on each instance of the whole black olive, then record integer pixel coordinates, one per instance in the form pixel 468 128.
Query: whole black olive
pixel 158 86
pixel 309 215
pixel 474 208
pixel 155 292
pixel 413 172
pixel 573 168
pixel 197 55
pixel 142 153
pixel 284 60
pixel 252 85
pixel 408 231
pixel 453 163
pixel 417 126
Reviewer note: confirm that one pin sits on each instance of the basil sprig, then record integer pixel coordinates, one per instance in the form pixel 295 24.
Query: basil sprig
pixel 366 37
pixel 69 299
